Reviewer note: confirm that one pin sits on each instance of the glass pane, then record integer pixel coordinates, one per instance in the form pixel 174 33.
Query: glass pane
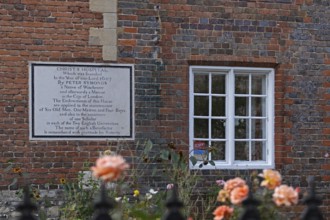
pixel 218 128
pixel 218 106
pixel 258 150
pixel 241 106
pixel 201 83
pixel 218 84
pixel 258 128
pixel 201 128
pixel 200 150
pixel 242 84
pixel 258 84
pixel 241 150
pixel 218 150
pixel 201 105
pixel 258 106
pixel 241 128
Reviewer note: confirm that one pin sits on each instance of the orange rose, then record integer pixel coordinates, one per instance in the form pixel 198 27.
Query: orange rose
pixel 222 212
pixel 233 183
pixel 285 195
pixel 109 168
pixel 223 195
pixel 272 179
pixel 239 194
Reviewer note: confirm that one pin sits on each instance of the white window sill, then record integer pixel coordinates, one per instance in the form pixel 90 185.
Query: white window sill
pixel 222 166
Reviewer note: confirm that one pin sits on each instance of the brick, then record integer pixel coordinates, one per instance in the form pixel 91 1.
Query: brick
pixel 129 42
pixel 130 30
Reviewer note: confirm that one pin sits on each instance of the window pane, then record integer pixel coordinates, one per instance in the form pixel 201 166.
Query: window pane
pixel 201 128
pixel 218 106
pixel 258 84
pixel 258 150
pixel 218 150
pixel 218 84
pixel 241 150
pixel 242 84
pixel 201 105
pixel 200 150
pixel 201 83
pixel 258 127
pixel 258 106
pixel 241 106
pixel 218 128
pixel 235 98
pixel 241 128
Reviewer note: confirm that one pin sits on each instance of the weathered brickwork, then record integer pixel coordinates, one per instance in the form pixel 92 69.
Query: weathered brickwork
pixel 162 38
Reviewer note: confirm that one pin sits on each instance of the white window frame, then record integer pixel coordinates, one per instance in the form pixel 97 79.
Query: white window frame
pixel 229 162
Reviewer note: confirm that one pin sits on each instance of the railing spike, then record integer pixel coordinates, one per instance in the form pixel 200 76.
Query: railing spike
pixel 27 207
pixel 102 206
pixel 312 212
pixel 251 211
pixel 173 205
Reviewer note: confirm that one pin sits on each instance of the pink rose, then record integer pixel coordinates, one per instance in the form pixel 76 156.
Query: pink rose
pixel 272 179
pixel 223 196
pixel 109 168
pixel 170 186
pixel 222 212
pixel 285 195
pixel 220 182
pixel 233 183
pixel 239 194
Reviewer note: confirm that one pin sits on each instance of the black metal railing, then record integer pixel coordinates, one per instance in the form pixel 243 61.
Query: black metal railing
pixel 27 207
pixel 312 212
pixel 174 206
pixel 102 206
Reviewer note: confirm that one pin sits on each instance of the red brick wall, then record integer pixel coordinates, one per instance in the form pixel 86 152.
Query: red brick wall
pixel 162 38
pixel 40 31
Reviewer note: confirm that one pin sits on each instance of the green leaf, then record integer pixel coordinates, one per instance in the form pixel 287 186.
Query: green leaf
pixel 148 147
pixel 139 214
pixel 13 182
pixel 73 206
pixel 175 158
pixel 183 165
pixel 9 168
pixel 164 154
pixel 154 172
pixel 10 161
pixel 211 162
pixel 193 160
pixel 26 175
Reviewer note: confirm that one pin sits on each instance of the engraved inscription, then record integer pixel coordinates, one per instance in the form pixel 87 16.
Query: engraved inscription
pixel 80 101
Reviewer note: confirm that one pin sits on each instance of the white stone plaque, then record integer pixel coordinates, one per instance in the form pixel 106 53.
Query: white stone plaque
pixel 81 101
